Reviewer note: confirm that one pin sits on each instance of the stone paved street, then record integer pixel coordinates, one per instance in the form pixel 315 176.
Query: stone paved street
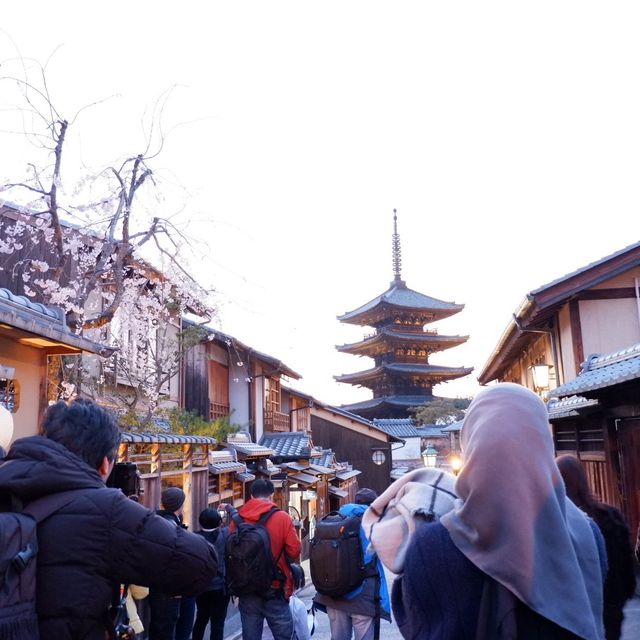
pixel 630 628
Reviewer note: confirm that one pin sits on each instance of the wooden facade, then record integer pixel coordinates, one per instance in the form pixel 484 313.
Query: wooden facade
pixel 170 460
pixel 565 325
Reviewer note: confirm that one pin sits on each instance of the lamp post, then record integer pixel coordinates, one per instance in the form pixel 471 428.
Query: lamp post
pixel 430 456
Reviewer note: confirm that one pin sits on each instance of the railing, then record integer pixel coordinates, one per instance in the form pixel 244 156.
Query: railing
pixel 218 410
pixel 276 421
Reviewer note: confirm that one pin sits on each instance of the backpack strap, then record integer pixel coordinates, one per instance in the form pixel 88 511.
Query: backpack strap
pixel 46 506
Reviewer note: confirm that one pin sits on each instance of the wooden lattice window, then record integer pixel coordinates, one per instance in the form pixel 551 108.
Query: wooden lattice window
pixel 272 394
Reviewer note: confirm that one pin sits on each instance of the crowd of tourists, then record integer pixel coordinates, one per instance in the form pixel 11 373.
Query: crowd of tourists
pixel 519 549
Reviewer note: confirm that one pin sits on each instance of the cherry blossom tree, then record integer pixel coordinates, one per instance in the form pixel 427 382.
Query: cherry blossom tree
pixel 97 244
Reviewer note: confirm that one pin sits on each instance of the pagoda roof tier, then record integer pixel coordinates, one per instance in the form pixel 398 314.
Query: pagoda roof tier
pixel 405 369
pixel 396 401
pixel 390 335
pixel 399 297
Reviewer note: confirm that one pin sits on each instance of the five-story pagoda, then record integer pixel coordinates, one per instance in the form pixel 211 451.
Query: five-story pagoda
pixel 400 347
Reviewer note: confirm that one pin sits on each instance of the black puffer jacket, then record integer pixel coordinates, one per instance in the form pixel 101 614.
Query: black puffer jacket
pixel 99 539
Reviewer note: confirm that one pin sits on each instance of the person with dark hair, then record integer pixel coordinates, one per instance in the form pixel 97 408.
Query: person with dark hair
pixel 620 583
pixel 98 539
pixel 285 547
pixel 513 557
pixel 358 613
pixel 212 604
pixel 171 615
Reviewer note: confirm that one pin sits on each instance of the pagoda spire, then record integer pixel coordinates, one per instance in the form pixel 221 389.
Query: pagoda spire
pixel 396 255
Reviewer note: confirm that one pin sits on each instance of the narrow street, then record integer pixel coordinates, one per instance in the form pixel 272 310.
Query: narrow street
pixel 630 627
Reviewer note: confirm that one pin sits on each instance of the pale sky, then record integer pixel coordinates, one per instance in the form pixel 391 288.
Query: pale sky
pixel 507 136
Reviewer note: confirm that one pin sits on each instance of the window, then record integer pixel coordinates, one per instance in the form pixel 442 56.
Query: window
pixel 271 394
pixel 378 457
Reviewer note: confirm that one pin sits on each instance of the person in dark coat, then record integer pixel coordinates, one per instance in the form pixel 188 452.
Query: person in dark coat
pixel 620 583
pixel 513 557
pixel 171 615
pixel 99 539
pixel 212 604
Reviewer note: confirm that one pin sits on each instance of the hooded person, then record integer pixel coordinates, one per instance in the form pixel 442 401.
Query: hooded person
pixel 620 583
pixel 514 557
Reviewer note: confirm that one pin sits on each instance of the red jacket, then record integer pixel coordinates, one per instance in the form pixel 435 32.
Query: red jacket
pixel 281 532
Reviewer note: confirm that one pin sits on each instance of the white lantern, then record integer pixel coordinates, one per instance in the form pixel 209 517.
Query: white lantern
pixel 6 427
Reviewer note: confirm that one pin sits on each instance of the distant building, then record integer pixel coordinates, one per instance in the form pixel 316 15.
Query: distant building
pixel 402 376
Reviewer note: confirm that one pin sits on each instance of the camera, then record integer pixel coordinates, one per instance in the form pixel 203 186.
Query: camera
pixel 126 477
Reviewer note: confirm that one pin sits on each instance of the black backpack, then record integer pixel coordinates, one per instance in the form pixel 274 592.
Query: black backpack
pixel 249 563
pixel 336 557
pixel 18 553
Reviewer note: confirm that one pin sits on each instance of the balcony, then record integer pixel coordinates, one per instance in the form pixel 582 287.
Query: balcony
pixel 276 421
pixel 218 410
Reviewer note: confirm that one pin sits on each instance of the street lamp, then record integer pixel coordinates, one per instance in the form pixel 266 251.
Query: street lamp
pixel 540 373
pixel 455 462
pixel 429 456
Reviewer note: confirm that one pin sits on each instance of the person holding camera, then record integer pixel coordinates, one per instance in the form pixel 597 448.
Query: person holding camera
pixel 99 539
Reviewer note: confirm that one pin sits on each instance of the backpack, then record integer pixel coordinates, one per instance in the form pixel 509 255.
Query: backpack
pixel 18 555
pixel 336 557
pixel 250 566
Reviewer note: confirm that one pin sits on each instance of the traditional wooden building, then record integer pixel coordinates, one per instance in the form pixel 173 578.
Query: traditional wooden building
pixel 596 417
pixel 581 332
pixel 402 376
pixel 32 339
pixel 164 460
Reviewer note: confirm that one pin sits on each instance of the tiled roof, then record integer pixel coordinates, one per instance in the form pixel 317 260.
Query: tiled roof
pixel 454 426
pixel 406 368
pixel 244 476
pixel 400 427
pixel 601 371
pixel 569 407
pixel 345 475
pixel 394 401
pixel 341 493
pixel 399 295
pixel 296 444
pixel 431 430
pixel 426 337
pixel 304 478
pixel 322 470
pixel 251 449
pixel 327 458
pixel 164 438
pixel 42 321
pixel 226 467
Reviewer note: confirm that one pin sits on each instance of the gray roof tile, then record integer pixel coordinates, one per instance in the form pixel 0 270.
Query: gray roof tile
pixel 400 427
pixel 296 444
pixel 601 371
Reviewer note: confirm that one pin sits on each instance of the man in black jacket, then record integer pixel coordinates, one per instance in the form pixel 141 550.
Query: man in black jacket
pixel 100 539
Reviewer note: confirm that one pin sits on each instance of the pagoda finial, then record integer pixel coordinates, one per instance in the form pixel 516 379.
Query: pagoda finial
pixel 395 245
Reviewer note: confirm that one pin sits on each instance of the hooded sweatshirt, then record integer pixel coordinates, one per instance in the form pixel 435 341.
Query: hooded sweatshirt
pixel 284 539
pixel 97 541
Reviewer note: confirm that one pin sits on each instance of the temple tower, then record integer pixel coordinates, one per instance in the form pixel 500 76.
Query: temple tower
pixel 400 346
